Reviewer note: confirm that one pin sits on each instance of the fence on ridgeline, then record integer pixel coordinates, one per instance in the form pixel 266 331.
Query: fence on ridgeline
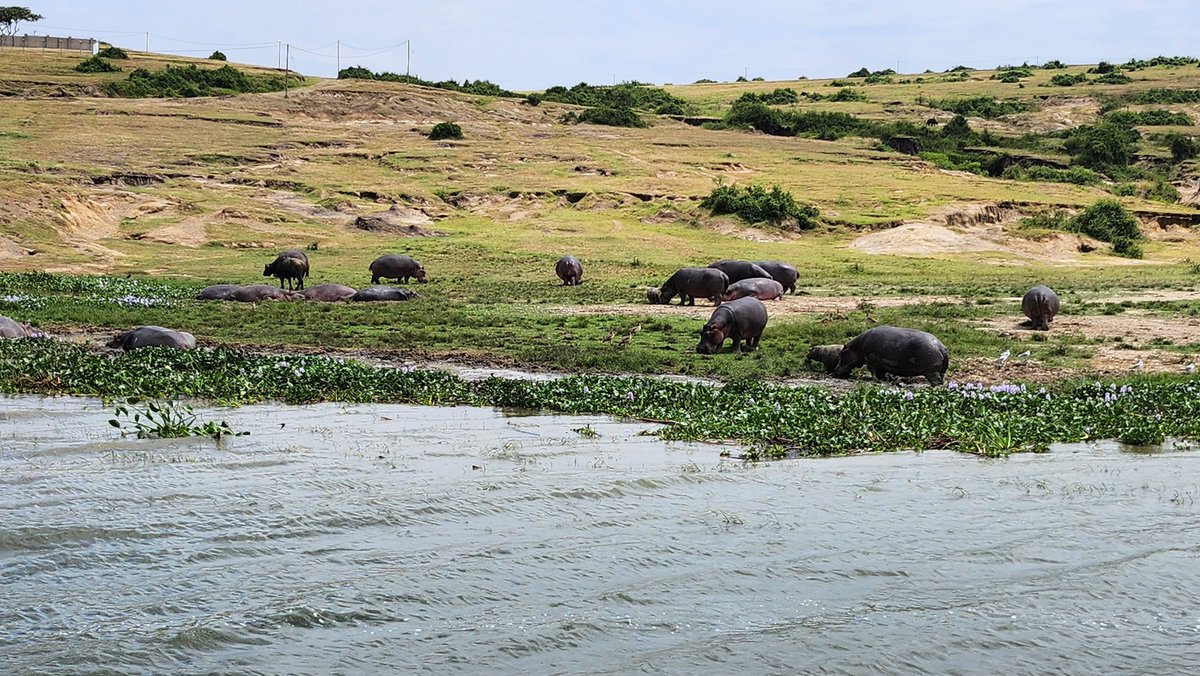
pixel 89 45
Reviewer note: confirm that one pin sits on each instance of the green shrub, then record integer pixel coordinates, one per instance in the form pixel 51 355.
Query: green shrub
pixel 847 95
pixel 217 56
pixel 1044 174
pixel 1108 221
pixel 781 96
pixel 1183 147
pixel 1102 146
pixel 95 64
pixel 878 79
pixel 705 81
pixel 533 99
pixel 1102 68
pixel 1172 61
pixel 1159 190
pixel 1152 96
pixel 478 87
pixel 613 117
pixel 443 130
pixel 1053 64
pixel 1008 77
pixel 188 81
pixel 1113 78
pixel 633 95
pixel 111 52
pixel 1068 80
pixel 757 204
pixel 955 161
pixel 1148 118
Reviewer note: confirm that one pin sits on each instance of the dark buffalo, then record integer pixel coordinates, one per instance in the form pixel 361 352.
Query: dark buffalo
pixel 784 273
pixel 290 265
pixel 826 355
pixel 739 270
pixel 690 284
pixel 328 293
pixel 1040 304
pixel 153 336
pixel 762 288
pixel 217 292
pixel 382 293
pixel 398 267
pixel 254 293
pixel 741 319
pixel 10 328
pixel 569 270
pixel 891 351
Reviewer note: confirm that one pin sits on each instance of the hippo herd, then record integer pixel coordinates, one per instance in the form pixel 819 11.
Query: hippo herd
pixel 736 287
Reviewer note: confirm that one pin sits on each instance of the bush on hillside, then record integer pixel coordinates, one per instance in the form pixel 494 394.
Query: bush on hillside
pixel 1102 68
pixel 111 52
pixel 1152 96
pixel 1102 146
pixel 1053 64
pixel 848 95
pixel 756 204
pixel 1108 221
pixel 612 117
pixel 190 80
pixel 1148 118
pixel 981 106
pixel 779 97
pixel 1172 61
pixel 625 95
pixel 1183 147
pixel 1043 174
pixel 443 130
pixel 1068 80
pixel 217 56
pixel 95 64
pixel 478 87
pixel 1113 78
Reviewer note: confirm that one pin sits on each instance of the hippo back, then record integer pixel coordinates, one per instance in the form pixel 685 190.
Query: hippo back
pixel 328 292
pixel 784 273
pixel 762 288
pixel 217 292
pixel 696 282
pixel 154 336
pixel 1040 304
pixel 382 293
pixel 10 328
pixel 569 269
pixel 901 351
pixel 253 293
pixel 737 270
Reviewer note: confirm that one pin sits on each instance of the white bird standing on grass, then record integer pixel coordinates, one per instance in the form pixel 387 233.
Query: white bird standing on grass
pixel 1024 355
pixel 1004 356
pixel 1139 365
pixel 1190 368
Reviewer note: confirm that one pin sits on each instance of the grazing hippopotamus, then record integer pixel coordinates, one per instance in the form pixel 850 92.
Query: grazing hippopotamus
pixel 153 336
pixel 825 355
pixel 690 284
pixel 328 293
pixel 762 288
pixel 378 293
pixel 217 292
pixel 398 267
pixel 784 273
pixel 889 350
pixel 10 328
pixel 741 319
pixel 739 270
pixel 570 270
pixel 290 265
pixel 254 293
pixel 1040 304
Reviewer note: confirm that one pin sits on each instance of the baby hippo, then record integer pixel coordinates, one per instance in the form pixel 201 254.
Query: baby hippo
pixel 826 355
pixel 153 336
pixel 762 288
pixel 741 319
pixel 328 293
pixel 11 329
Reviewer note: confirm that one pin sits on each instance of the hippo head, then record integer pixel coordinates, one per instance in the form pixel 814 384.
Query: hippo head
pixel 420 275
pixel 654 296
pixel 117 341
pixel 825 355
pixel 712 336
pixel 848 360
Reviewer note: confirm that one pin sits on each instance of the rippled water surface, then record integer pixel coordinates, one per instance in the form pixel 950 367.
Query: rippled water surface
pixel 364 539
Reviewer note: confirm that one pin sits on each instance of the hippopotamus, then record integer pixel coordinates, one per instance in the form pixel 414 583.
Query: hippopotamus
pixel 217 292
pixel 290 265
pixel 398 267
pixel 739 270
pixel 889 350
pixel 784 273
pixel 328 293
pixel 570 270
pixel 690 284
pixel 762 288
pixel 10 328
pixel 378 293
pixel 254 293
pixel 153 336
pixel 825 355
pixel 1040 304
pixel 741 319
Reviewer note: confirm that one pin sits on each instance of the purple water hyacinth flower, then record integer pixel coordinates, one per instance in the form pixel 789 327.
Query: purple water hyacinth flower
pixel 587 390
pixel 629 395
pixel 777 407
pixel 909 395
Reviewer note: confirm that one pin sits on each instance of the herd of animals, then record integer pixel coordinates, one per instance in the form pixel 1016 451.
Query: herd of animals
pixel 737 288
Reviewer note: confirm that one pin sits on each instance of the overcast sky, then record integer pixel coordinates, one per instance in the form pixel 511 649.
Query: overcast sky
pixel 534 44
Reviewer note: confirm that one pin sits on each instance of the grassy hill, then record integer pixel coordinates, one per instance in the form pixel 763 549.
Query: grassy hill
pixel 208 189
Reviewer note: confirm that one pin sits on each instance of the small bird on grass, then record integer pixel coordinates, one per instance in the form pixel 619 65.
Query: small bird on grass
pixel 1139 365
pixel 1190 368
pixel 1004 356
pixel 1024 355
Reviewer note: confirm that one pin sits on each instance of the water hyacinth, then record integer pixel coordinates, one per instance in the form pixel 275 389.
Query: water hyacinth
pixel 992 420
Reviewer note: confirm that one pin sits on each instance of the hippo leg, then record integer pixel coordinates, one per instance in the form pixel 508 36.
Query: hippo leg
pixel 878 371
pixel 737 343
pixel 752 343
pixel 935 378
pixel 716 300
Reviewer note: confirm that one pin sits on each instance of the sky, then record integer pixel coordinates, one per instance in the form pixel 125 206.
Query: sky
pixel 535 44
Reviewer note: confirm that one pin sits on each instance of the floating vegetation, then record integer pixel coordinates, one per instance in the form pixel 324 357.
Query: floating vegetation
pixel 787 421
pixel 16 288
pixel 166 420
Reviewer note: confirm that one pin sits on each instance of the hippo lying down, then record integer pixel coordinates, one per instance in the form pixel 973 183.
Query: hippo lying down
pixel 892 351
pixel 383 293
pixel 10 328
pixel 153 336
pixel 250 293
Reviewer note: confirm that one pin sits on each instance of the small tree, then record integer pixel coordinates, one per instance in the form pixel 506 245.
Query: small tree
pixel 217 56
pixel 443 130
pixel 11 16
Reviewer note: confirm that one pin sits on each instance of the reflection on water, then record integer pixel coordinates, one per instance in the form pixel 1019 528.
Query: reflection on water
pixel 368 538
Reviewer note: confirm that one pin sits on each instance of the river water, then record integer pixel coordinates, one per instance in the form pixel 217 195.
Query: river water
pixel 369 539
